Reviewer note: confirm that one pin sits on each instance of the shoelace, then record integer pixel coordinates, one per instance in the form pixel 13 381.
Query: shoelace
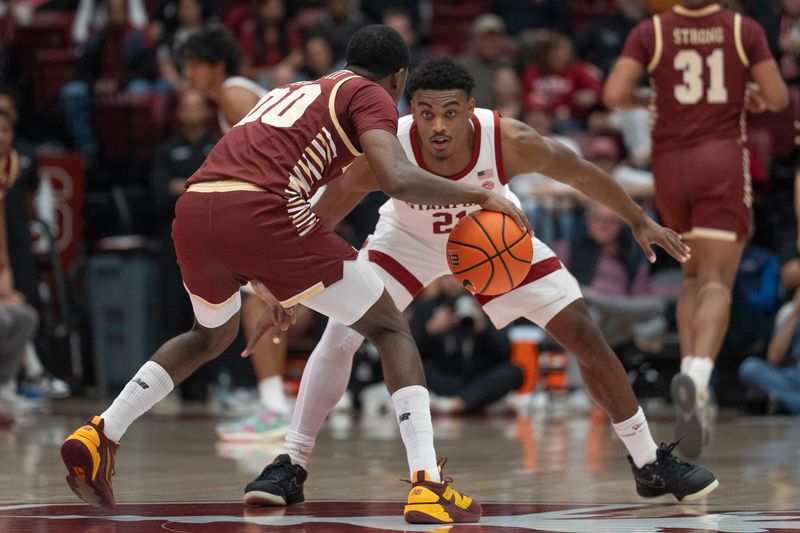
pixel 665 454
pixel 276 472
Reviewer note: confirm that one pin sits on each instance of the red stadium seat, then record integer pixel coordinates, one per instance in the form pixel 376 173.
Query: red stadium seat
pixel 129 127
pixel 450 24
pixel 52 69
pixel 584 12
pixel 48 29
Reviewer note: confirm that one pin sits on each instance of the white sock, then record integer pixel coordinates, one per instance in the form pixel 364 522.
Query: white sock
pixel 686 362
pixel 635 434
pixel 270 391
pixel 31 365
pixel 298 446
pixel 413 409
pixel 148 387
pixel 699 370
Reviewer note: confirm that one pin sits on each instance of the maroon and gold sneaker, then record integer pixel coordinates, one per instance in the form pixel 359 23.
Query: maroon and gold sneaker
pixel 89 457
pixel 438 503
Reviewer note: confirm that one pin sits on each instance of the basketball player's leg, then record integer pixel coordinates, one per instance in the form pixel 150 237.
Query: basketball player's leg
pixel 88 453
pixel 608 386
pixel 327 371
pixel 269 356
pixel 686 303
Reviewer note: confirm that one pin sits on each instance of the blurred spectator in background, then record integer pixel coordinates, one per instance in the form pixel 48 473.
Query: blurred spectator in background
pixel 379 10
pixel 507 93
pixel 191 17
pixel 340 22
pixel 755 297
pixel 789 40
pixel 317 59
pixel 116 59
pixel 605 153
pixel 602 43
pixel 488 51
pixel 167 17
pixel 549 204
pixel 20 246
pixel 778 377
pixel 524 14
pixel 93 16
pixel 268 40
pixel 399 19
pixel 569 88
pixel 614 278
pixel 466 360
pixel 175 160
pixel 18 320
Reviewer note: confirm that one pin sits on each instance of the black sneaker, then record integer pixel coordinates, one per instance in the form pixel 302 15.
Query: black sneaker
pixel 670 475
pixel 688 416
pixel 281 483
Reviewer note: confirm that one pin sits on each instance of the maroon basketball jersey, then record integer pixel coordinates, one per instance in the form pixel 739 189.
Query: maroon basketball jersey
pixel 299 137
pixel 698 62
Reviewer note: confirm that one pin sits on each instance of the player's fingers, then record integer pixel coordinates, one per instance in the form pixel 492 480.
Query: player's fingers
pixel 675 247
pixel 644 244
pixel 264 323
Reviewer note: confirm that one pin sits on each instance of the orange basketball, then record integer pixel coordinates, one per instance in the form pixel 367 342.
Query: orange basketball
pixel 488 253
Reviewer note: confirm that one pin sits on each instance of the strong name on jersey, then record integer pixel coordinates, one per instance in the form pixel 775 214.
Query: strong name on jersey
pixel 297 138
pixel 698 62
pixel 432 223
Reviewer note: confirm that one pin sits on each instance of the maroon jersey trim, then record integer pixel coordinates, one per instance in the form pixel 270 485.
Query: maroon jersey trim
pixel 737 38
pixel 537 272
pixel 332 108
pixel 498 149
pixel 659 48
pixel 397 271
pixel 476 149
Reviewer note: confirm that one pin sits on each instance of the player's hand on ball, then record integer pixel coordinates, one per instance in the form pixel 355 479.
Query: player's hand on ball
pixel 648 232
pixel 495 202
pixel 275 315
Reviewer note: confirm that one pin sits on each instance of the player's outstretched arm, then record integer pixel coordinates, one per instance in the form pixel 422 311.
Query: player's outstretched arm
pixel 772 89
pixel 344 193
pixel 400 179
pixel 526 151
pixel 619 91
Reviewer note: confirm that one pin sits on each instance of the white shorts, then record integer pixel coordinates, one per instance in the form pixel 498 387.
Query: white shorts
pixel 407 265
pixel 345 301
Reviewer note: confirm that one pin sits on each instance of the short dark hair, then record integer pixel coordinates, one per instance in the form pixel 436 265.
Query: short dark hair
pixel 440 74
pixel 377 49
pixel 214 45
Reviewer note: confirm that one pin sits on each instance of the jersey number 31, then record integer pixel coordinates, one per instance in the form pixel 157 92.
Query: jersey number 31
pixel 690 62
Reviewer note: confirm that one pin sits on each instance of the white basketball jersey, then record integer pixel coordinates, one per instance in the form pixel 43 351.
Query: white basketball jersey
pixel 243 83
pixel 433 223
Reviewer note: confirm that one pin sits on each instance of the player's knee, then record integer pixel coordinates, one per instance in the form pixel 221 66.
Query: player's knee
pixel 212 341
pixel 714 287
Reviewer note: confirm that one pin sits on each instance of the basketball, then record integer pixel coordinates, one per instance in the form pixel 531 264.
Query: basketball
pixel 489 253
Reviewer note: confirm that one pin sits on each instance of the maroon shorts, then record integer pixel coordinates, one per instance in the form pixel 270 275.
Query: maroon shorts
pixel 705 191
pixel 225 239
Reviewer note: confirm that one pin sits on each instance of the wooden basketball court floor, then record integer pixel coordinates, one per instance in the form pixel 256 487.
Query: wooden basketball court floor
pixel 542 473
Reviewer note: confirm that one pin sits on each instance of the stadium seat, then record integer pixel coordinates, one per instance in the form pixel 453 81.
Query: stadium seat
pixel 52 69
pixel 450 25
pixel 129 127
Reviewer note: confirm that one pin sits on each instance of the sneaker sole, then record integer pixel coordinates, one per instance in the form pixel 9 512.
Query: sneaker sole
pixel 436 514
pixel 688 427
pixel 261 436
pixel 260 497
pixel 78 462
pixel 702 493
pixel 257 497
